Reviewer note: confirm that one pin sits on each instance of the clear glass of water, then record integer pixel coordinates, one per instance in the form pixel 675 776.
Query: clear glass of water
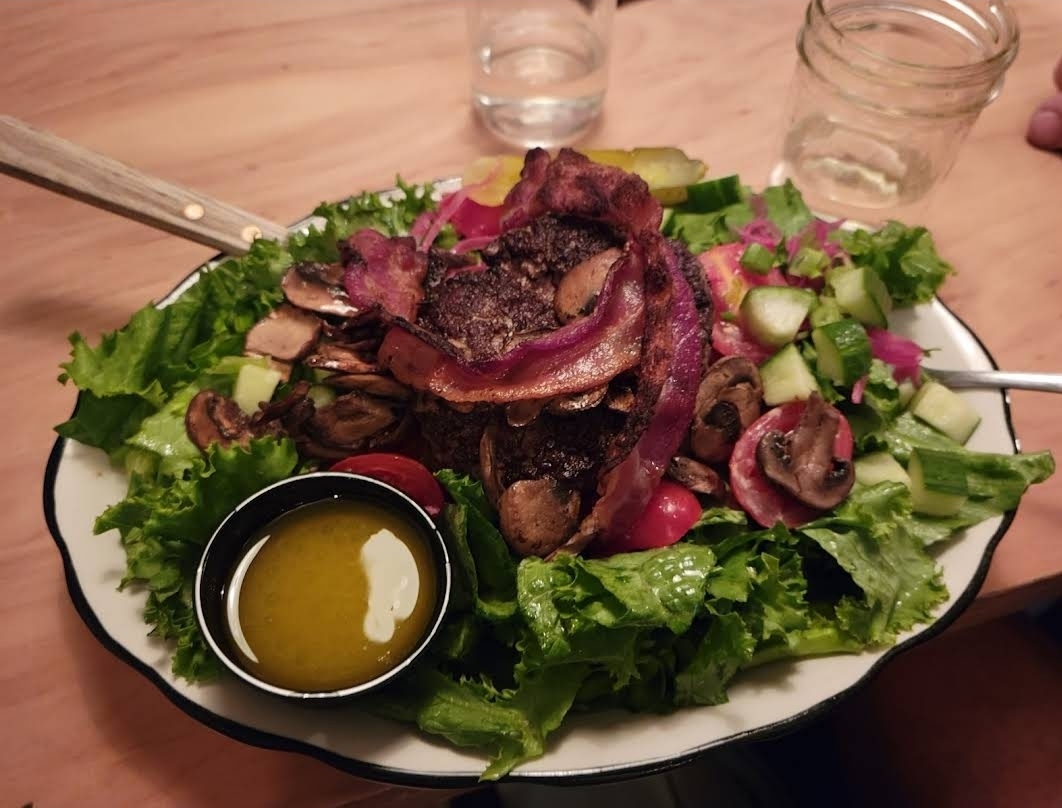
pixel 539 67
pixel 884 93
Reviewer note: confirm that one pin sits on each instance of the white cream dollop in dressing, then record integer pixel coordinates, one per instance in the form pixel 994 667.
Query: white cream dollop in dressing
pixel 394 584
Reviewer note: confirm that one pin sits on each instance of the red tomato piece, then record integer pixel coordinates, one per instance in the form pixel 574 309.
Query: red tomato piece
pixel 765 502
pixel 404 473
pixel 671 511
pixel 730 339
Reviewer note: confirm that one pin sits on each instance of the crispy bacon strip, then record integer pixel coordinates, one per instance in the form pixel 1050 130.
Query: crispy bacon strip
pixel 385 272
pixel 664 403
pixel 579 356
pixel 573 185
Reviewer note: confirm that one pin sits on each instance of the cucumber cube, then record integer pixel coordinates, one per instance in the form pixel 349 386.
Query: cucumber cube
pixel 843 351
pixel 861 293
pixel 787 377
pixel 254 384
pixel 880 467
pixel 774 314
pixel 945 410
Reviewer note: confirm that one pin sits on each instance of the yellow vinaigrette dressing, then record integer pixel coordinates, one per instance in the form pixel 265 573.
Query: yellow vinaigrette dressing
pixel 330 595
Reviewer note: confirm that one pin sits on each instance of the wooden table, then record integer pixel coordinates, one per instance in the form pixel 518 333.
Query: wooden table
pixel 277 105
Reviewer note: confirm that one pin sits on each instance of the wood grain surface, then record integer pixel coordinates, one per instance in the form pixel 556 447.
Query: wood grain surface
pixel 274 106
pixel 56 164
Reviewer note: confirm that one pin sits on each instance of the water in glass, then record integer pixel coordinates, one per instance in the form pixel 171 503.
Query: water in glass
pixel 539 77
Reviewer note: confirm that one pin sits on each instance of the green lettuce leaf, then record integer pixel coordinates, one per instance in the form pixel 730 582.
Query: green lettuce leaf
pixel 164 522
pixel 571 595
pixel 485 570
pixel 870 538
pixel 725 647
pixel 509 726
pixel 905 258
pixel 717 208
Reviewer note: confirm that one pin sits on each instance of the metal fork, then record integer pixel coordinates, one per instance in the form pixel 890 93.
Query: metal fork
pixel 998 379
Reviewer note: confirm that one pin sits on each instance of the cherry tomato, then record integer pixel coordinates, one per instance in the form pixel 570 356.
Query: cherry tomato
pixel 730 339
pixel 762 500
pixel 404 473
pixel 671 511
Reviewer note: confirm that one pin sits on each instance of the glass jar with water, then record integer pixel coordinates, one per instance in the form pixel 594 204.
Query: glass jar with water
pixel 539 67
pixel 884 93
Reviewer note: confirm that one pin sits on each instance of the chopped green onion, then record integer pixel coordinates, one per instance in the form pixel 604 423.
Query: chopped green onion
pixel 809 263
pixel 757 258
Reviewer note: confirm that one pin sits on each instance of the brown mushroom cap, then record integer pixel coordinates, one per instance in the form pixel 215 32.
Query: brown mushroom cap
pixel 802 462
pixel 372 384
pixel 490 472
pixel 286 333
pixel 214 418
pixel 697 477
pixel 577 402
pixel 728 401
pixel 537 516
pixel 350 420
pixel 578 290
pixel 342 359
pixel 318 287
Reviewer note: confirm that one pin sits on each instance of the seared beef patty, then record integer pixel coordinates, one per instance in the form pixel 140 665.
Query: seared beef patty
pixel 482 312
pixel 550 245
pixel 566 448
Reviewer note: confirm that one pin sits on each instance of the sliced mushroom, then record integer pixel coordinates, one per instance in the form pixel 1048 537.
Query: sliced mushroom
pixel 286 333
pixel 522 413
pixel 578 290
pixel 537 516
pixel 577 402
pixel 620 399
pixel 589 529
pixel 697 477
pixel 802 461
pixel 318 287
pixel 340 358
pixel 371 384
pixel 728 401
pixel 489 468
pixel 350 420
pixel 278 410
pixel 214 418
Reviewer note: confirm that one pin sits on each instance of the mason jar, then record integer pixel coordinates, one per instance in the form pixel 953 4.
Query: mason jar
pixel 883 95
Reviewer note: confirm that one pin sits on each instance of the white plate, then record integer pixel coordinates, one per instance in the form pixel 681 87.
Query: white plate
pixel 80 484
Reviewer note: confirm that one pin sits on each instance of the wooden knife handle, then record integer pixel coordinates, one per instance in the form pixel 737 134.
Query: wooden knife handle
pixel 43 159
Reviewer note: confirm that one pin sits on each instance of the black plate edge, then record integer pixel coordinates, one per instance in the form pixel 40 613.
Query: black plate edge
pixel 413 779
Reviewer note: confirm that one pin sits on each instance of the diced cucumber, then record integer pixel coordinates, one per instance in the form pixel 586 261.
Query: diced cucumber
pixel 907 392
pixel 880 467
pixel 938 482
pixel 254 384
pixel 825 311
pixel 774 314
pixel 808 263
pixel 321 395
pixel 843 351
pixel 861 293
pixel 787 377
pixel 757 258
pixel 945 410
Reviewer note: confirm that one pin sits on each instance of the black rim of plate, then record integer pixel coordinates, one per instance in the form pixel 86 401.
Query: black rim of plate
pixel 413 778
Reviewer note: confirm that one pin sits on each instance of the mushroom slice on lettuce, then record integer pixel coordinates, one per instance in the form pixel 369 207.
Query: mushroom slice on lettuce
pixel 802 461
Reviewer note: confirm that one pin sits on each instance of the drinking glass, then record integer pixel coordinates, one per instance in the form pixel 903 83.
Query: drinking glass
pixel 539 68
pixel 884 94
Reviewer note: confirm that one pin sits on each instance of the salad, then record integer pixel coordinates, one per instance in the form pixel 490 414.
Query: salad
pixel 759 470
